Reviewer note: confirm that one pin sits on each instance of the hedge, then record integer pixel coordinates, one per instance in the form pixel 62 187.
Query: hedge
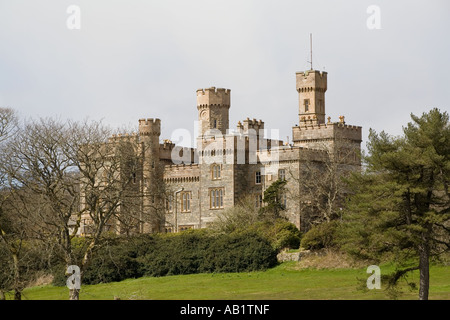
pixel 193 251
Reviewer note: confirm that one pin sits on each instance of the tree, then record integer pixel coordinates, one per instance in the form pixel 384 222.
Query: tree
pixel 273 198
pixel 242 215
pixel 400 208
pixel 318 180
pixel 63 172
pixel 8 123
pixel 11 233
pixel 105 170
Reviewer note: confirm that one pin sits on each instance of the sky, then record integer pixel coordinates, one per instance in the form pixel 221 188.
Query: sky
pixel 146 59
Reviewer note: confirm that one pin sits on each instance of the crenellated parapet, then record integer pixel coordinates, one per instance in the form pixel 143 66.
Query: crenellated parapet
pixel 213 96
pixel 312 134
pixel 149 127
pixel 213 106
pixel 132 138
pixel 248 125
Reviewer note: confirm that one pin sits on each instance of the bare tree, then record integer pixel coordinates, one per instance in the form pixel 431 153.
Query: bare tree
pixel 244 214
pixel 106 172
pixel 14 228
pixel 41 179
pixel 75 179
pixel 72 172
pixel 8 233
pixel 8 123
pixel 319 181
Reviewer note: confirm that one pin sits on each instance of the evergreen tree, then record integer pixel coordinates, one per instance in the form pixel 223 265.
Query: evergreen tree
pixel 273 198
pixel 400 207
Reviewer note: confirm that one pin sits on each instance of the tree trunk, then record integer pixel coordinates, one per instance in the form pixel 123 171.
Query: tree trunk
pixel 74 294
pixel 17 294
pixel 17 291
pixel 424 267
pixel 2 295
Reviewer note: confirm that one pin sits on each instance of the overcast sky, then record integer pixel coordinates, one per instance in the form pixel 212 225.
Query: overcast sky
pixel 142 59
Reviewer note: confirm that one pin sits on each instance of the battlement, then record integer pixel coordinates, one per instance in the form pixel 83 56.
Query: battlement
pixel 149 126
pixel 167 144
pixel 124 137
pixel 311 123
pixel 250 124
pixel 213 97
pixel 310 133
pixel 311 80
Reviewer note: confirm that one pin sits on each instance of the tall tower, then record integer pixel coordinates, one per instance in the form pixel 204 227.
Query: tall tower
pixel 149 132
pixel 312 131
pixel 213 106
pixel 311 87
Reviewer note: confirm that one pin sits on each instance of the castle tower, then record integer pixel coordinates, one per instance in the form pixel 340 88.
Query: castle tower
pixel 311 87
pixel 149 132
pixel 213 106
pixel 312 131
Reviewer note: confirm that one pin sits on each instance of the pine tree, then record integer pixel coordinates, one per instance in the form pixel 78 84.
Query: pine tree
pixel 400 208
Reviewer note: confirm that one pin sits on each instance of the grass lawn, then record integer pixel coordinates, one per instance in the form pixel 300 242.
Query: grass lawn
pixel 284 282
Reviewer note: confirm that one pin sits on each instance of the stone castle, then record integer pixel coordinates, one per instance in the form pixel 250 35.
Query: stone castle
pixel 185 188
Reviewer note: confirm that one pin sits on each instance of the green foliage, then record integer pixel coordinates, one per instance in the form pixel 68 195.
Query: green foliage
pixel 321 236
pixel 112 263
pixel 188 252
pixel 176 254
pixel 32 261
pixel 273 200
pixel 400 207
pixel 239 252
pixel 281 233
pixel 243 217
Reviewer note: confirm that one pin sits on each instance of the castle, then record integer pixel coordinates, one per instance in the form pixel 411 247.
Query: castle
pixel 183 188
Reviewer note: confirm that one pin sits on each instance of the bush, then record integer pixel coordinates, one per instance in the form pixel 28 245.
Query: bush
pixel 320 236
pixel 112 263
pixel 281 233
pixel 189 252
pixel 175 254
pixel 239 252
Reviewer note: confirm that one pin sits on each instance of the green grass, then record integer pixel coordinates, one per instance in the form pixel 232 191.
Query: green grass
pixel 283 282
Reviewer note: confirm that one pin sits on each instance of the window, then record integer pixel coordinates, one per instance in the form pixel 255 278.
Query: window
pixel 216 198
pixel 282 174
pixel 169 203
pixel 133 176
pixel 215 124
pixel 169 229
pixel 258 177
pixel 216 171
pixel 306 103
pixel 184 228
pixel 321 108
pixel 186 201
